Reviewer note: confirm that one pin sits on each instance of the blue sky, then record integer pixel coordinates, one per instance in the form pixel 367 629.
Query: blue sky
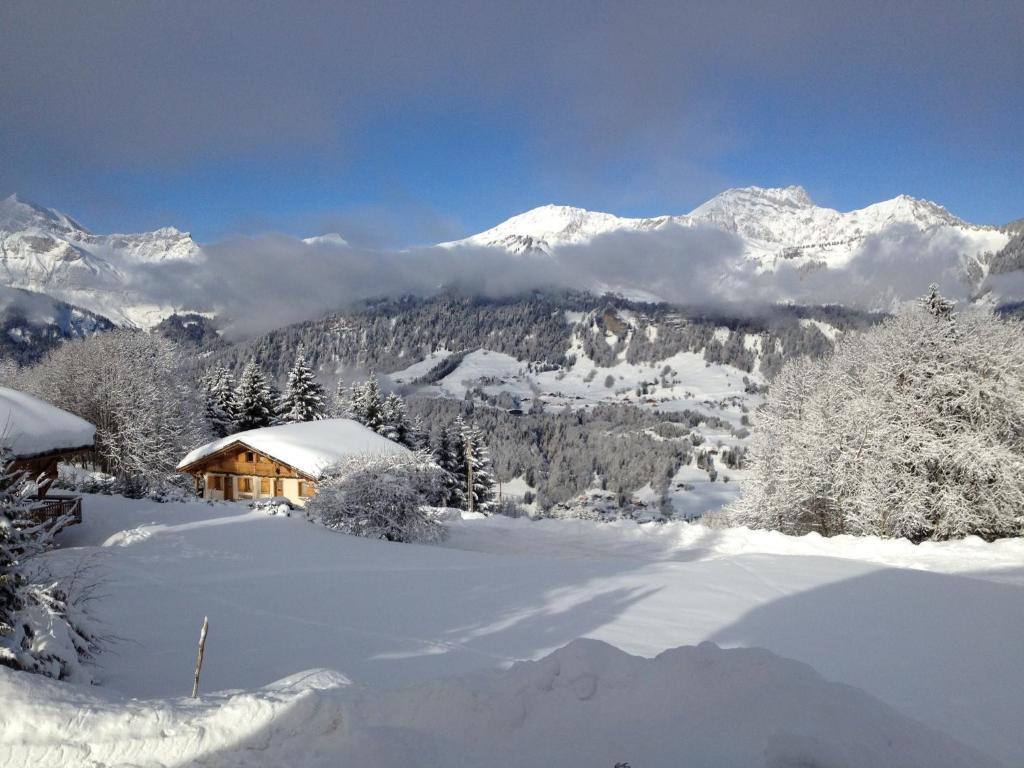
pixel 399 123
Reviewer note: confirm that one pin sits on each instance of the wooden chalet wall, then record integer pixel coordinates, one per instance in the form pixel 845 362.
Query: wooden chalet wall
pixel 234 461
pixel 240 472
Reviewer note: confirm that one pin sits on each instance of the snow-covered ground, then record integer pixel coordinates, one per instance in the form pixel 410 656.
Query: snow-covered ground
pixel 932 631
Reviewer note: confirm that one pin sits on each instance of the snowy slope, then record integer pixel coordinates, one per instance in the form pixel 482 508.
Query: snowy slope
pixel 930 630
pixel 44 250
pixel 33 323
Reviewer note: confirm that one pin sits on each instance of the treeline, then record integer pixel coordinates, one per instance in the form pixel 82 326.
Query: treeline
pixel 539 329
pixel 911 429
pixel 562 453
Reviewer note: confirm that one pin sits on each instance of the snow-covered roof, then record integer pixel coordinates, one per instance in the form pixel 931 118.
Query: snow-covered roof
pixel 30 426
pixel 309 446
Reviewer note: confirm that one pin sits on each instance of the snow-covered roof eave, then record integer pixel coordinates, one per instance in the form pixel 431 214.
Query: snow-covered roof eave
pixel 30 427
pixel 188 464
pixel 24 456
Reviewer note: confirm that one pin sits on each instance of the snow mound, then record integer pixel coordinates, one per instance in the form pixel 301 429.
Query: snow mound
pixel 309 446
pixel 30 426
pixel 587 704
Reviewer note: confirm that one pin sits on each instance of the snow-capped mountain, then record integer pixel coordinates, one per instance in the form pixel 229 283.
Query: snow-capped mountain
pixel 551 226
pixel 774 224
pixel 44 250
pixel 141 279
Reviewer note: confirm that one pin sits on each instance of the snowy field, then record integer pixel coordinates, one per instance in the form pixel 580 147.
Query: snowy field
pixel 713 389
pixel 931 631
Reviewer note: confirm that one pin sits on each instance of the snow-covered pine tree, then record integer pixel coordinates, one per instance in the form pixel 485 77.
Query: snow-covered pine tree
pixel 255 400
pixel 938 305
pixel 449 458
pixel 36 634
pixel 303 398
pixel 219 390
pixel 341 401
pixel 396 424
pixel 366 403
pixel 477 466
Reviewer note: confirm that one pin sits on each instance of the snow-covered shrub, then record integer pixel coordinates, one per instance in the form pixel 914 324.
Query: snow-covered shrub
pixel 914 428
pixel 510 508
pixel 380 497
pixel 74 478
pixel 276 505
pixel 605 506
pixel 37 633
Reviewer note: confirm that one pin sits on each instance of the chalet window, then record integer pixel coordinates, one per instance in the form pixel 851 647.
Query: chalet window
pixel 214 482
pixel 265 485
pixel 305 489
pixel 245 485
pixel 250 457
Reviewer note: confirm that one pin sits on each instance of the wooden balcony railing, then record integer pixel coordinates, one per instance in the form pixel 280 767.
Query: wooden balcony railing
pixel 54 507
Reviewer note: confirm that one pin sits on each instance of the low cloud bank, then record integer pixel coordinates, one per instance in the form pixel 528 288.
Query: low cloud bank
pixel 259 283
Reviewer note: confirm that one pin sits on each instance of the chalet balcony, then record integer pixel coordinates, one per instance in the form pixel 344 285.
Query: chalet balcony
pixel 57 506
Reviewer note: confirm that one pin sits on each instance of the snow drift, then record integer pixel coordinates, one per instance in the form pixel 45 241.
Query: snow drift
pixel 587 704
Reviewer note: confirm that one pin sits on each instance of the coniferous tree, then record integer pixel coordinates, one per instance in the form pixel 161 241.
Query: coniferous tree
pixel 448 458
pixel 304 396
pixel 366 404
pixel 341 401
pixel 395 422
pixel 479 475
pixel 220 406
pixel 255 400
pixel 36 634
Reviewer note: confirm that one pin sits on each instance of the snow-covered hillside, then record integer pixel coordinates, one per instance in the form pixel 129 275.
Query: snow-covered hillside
pixel 44 250
pixel 33 323
pixel 928 634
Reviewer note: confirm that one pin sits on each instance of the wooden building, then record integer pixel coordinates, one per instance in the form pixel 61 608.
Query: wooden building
pixel 283 461
pixel 35 437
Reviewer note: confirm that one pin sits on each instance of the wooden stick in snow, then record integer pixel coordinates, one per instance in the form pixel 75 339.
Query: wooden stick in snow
pixel 199 657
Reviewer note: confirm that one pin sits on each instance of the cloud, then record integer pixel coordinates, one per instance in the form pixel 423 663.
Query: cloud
pixel 259 283
pixel 173 85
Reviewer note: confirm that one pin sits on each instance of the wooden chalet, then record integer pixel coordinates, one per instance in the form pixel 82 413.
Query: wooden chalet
pixel 35 437
pixel 283 461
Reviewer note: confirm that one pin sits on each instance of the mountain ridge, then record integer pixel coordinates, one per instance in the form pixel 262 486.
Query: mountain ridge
pixel 770 220
pixel 47 251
